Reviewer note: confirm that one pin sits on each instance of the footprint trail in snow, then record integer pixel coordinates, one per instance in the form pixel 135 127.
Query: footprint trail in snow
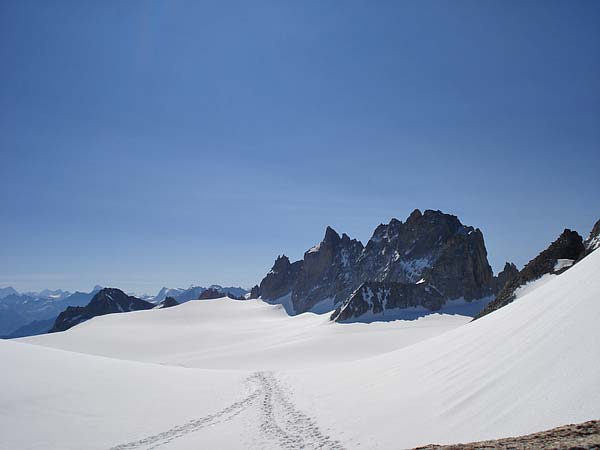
pixel 281 422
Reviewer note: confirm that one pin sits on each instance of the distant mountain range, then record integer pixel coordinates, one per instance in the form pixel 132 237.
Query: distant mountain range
pixel 21 313
pixel 112 300
pixel 193 292
pixel 6 291
pixel 427 261
pixel 31 313
pixel 106 301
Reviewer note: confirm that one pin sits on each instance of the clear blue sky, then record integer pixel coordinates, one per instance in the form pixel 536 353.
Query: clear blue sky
pixel 168 143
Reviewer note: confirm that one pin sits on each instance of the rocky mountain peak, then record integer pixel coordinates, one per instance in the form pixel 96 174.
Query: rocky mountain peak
pixel 105 301
pixel 415 215
pixel 281 263
pixel 430 246
pixel 280 280
pixel 331 236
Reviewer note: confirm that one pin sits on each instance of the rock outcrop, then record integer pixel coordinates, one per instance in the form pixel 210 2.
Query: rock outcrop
pixel 582 436
pixel 255 292
pixel 106 301
pixel 281 279
pixel 211 293
pixel 431 250
pixel 509 272
pixel 327 271
pixel 168 302
pixel 557 258
pixel 593 241
pixel 375 297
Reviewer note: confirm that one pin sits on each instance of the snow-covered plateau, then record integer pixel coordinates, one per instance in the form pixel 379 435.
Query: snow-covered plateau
pixel 229 374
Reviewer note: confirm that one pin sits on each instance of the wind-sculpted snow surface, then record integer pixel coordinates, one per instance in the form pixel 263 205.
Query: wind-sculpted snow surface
pixel 157 378
pixel 249 335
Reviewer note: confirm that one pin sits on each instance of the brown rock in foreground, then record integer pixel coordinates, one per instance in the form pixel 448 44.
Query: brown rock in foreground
pixel 583 436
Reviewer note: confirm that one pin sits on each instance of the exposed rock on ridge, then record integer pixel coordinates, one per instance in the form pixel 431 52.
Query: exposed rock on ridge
pixel 593 241
pixel 106 301
pixel 281 279
pixel 508 273
pixel 168 302
pixel 560 255
pixel 375 297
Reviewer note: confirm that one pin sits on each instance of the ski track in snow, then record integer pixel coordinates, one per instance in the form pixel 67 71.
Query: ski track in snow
pixel 280 420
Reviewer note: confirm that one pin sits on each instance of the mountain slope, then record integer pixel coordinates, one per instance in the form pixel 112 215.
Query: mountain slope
pixel 479 381
pixel 32 328
pixel 558 257
pixel 6 291
pixel 106 301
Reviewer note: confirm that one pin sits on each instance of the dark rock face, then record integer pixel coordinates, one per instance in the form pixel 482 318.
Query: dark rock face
pixel 431 247
pixel 168 302
pixel 106 301
pixel 375 297
pixel 255 292
pixel 557 258
pixel 327 271
pixel 281 279
pixel 593 241
pixel 508 273
pixel 210 294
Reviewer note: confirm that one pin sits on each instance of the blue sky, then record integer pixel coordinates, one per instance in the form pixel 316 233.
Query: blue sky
pixel 169 143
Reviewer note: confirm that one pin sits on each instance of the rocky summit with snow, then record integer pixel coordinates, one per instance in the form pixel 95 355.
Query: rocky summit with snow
pixel 555 259
pixel 106 301
pixel 427 260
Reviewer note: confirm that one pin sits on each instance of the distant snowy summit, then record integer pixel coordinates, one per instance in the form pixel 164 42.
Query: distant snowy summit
pixel 194 292
pixel 25 314
pixel 106 301
pixel 6 291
